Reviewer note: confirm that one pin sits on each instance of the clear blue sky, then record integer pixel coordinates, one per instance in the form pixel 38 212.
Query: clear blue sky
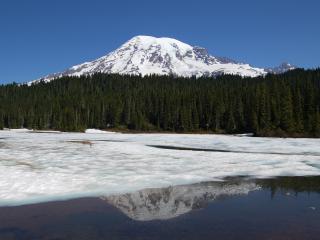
pixel 38 37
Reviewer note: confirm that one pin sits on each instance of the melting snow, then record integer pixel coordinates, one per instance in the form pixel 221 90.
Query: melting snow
pixel 38 167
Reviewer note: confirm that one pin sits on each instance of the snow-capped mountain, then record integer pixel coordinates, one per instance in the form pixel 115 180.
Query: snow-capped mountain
pixel 144 55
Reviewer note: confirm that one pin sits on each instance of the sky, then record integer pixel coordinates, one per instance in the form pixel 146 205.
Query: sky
pixel 38 37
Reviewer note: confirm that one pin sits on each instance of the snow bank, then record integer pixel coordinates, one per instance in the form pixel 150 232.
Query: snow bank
pixel 96 131
pixel 38 167
pixel 19 130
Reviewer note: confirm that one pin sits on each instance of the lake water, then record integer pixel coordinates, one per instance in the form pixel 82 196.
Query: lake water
pixel 285 208
pixel 157 186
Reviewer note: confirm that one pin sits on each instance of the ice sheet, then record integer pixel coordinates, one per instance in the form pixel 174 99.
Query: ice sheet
pixel 37 167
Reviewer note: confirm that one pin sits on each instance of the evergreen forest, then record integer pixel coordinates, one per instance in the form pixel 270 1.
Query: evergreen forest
pixel 273 105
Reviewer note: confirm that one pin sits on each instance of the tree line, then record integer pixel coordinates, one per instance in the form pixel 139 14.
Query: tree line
pixel 273 105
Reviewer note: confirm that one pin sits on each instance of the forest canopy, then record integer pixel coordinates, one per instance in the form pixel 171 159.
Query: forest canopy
pixel 273 105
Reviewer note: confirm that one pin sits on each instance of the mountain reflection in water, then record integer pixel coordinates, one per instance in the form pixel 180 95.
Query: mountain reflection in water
pixel 281 208
pixel 171 202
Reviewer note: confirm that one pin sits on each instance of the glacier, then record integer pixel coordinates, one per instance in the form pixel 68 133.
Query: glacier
pixel 42 166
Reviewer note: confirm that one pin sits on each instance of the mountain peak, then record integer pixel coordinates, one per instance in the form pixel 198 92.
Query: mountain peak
pixel 145 55
pixel 156 40
pixel 282 68
pixel 286 65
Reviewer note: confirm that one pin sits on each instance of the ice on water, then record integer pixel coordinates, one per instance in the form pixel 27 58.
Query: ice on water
pixel 41 166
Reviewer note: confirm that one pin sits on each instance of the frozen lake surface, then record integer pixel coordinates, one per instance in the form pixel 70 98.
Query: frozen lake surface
pixel 38 167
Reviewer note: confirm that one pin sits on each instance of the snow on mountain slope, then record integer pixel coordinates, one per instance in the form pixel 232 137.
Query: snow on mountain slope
pixel 282 68
pixel 145 55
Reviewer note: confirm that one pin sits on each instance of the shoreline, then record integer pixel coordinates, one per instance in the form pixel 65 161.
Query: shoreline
pixel 127 131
